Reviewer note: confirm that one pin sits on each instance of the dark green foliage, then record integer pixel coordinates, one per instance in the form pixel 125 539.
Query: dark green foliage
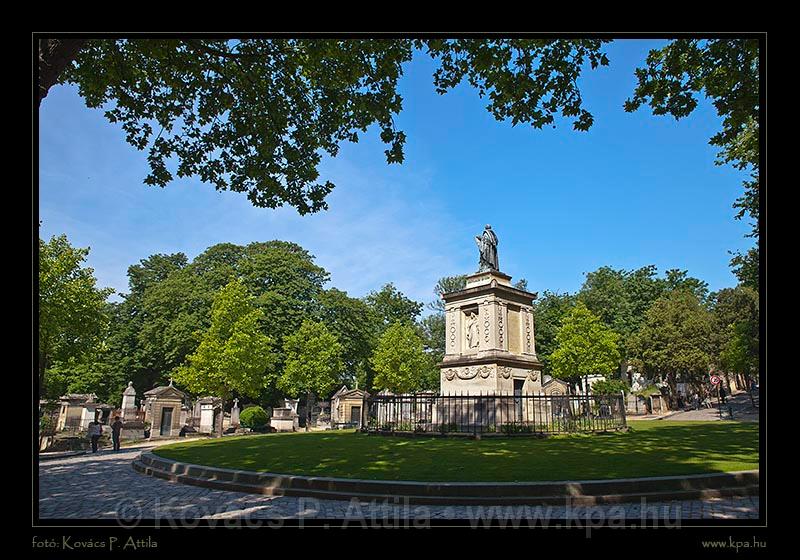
pixel 73 312
pixel 168 308
pixel 445 285
pixel 253 417
pixel 735 319
pixel 525 80
pixel 390 306
pixel 610 387
pixel 745 267
pixel 256 115
pixel 621 298
pixel 675 340
pixel 548 311
pixel 355 325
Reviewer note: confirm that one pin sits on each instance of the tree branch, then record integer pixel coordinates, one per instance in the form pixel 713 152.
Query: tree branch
pixel 54 56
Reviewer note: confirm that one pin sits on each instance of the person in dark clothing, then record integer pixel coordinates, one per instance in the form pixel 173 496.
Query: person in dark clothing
pixel 116 430
pixel 722 394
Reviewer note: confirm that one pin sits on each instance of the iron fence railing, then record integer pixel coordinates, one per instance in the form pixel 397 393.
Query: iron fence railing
pixel 493 414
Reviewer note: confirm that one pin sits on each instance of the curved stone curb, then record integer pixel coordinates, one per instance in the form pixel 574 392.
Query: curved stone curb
pixel 577 492
pixel 52 456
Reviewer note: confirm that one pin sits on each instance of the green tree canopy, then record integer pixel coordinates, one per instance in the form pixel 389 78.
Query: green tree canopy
pixel 746 268
pixel 314 362
pixel 621 298
pixel 400 361
pixel 72 310
pixel 735 323
pixel 445 285
pixel 234 355
pixel 390 305
pixel 585 346
pixel 355 325
pixel 726 71
pixel 154 328
pixel 675 340
pixel 548 311
pixel 256 115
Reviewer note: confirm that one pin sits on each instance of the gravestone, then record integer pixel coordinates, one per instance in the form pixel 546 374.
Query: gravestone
pixel 129 403
pixel 235 414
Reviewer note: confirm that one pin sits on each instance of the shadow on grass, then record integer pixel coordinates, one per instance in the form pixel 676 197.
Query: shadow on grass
pixel 648 449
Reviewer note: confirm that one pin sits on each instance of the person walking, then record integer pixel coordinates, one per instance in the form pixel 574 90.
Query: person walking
pixel 722 394
pixel 95 431
pixel 116 430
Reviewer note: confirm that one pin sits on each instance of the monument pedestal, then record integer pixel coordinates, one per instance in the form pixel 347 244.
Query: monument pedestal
pixel 490 346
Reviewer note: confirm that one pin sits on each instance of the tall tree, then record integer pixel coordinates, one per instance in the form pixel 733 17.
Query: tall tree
pixel 400 361
pixel 445 285
pixel 234 355
pixel 735 321
pixel 314 363
pixel 548 311
pixel 620 298
pixel 356 326
pixel 675 340
pixel 390 306
pixel 585 346
pixel 680 280
pixel 746 268
pixel 72 309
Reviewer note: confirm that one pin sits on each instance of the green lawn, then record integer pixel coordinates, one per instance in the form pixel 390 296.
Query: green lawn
pixel 650 448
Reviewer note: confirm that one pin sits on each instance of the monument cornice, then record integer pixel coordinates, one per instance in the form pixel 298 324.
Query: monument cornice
pixel 501 359
pixel 514 294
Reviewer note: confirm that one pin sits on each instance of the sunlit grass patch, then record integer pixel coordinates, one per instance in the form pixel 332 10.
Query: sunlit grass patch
pixel 650 448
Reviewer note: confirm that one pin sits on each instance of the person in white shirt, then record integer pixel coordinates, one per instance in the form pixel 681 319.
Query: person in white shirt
pixel 95 431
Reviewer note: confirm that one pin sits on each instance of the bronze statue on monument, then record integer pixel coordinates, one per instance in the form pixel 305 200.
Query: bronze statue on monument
pixel 487 247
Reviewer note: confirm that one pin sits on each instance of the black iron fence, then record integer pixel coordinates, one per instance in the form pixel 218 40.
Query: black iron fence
pixel 493 414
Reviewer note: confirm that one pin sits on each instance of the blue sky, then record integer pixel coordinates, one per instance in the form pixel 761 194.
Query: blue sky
pixel 634 190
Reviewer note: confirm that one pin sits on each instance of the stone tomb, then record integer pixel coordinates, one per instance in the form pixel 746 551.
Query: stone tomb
pixel 286 419
pixel 490 345
pixel 163 406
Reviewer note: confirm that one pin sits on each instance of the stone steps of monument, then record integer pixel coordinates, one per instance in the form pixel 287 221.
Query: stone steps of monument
pixel 577 493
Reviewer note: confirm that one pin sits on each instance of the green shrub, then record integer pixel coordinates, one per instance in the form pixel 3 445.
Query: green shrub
pixel 253 417
pixel 610 387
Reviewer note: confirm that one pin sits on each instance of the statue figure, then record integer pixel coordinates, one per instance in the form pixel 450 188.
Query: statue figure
pixel 487 247
pixel 473 336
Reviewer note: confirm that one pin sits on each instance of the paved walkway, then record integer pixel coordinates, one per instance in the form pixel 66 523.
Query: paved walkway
pixel 740 404
pixel 105 486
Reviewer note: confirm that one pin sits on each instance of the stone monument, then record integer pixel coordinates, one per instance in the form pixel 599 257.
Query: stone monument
pixel 129 403
pixel 490 345
pixel 235 414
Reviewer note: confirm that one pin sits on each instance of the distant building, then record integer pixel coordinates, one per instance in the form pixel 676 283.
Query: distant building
pixel 346 407
pixel 79 409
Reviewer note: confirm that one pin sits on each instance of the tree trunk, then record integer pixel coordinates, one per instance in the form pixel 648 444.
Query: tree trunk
pixel 308 411
pixel 54 56
pixel 42 368
pixel 220 427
